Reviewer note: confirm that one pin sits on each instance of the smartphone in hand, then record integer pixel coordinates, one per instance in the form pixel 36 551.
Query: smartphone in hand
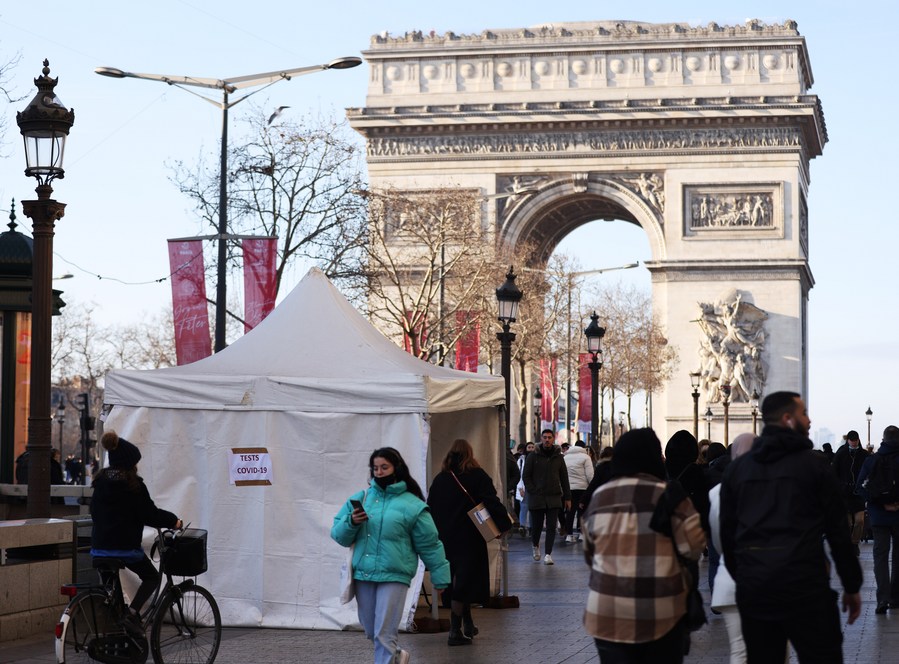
pixel 356 505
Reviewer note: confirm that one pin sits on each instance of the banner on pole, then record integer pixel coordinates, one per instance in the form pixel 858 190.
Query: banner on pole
pixel 189 311
pixel 549 388
pixel 259 290
pixel 585 387
pixel 469 342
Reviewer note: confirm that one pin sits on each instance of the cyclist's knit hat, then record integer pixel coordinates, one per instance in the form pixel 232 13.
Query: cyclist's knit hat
pixel 122 454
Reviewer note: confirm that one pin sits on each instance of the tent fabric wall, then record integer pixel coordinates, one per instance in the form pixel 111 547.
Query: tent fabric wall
pixel 271 560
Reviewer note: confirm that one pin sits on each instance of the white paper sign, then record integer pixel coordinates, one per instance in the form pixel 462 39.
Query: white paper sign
pixel 250 466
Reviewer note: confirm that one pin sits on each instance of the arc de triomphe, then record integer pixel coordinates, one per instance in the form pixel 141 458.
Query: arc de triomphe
pixel 702 136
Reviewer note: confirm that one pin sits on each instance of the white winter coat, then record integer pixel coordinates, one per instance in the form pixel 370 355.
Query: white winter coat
pixel 580 467
pixel 724 593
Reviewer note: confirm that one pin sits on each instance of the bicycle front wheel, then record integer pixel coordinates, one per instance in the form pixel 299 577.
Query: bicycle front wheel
pixel 92 628
pixel 187 629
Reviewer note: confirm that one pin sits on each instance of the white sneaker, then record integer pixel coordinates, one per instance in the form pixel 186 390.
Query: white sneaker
pixel 402 656
pixel 570 539
pixel 547 559
pixel 537 553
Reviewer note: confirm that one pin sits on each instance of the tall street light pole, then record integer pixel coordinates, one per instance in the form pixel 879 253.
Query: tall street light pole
pixel 754 404
pixel 709 416
pixel 508 297
pixel 868 415
pixel 538 403
pixel 694 382
pixel 725 390
pixel 44 124
pixel 227 86
pixel 594 334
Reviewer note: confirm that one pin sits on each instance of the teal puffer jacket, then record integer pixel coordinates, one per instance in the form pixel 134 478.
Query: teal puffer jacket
pixel 399 530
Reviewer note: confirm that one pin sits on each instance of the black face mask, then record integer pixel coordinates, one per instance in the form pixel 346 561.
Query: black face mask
pixel 385 480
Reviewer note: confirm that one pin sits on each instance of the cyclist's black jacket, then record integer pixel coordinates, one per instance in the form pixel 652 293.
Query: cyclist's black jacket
pixel 120 512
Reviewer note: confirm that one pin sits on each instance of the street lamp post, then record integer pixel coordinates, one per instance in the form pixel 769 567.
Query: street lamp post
pixel 538 403
pixel 227 86
pixel 709 416
pixel 594 334
pixel 754 404
pixel 620 423
pixel 725 389
pixel 60 417
pixel 694 382
pixel 44 124
pixel 868 415
pixel 508 297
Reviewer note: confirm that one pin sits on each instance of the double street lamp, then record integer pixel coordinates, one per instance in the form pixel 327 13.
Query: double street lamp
pixel 227 86
pixel 44 124
pixel 594 334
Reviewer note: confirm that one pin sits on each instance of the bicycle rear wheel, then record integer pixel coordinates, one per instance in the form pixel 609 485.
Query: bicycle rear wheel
pixel 187 629
pixel 92 628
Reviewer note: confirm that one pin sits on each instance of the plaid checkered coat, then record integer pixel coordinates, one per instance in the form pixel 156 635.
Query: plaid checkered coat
pixel 637 589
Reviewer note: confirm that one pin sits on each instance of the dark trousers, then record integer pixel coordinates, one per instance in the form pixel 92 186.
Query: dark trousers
pixel 550 516
pixel 886 571
pixel 667 650
pixel 571 522
pixel 149 579
pixel 813 630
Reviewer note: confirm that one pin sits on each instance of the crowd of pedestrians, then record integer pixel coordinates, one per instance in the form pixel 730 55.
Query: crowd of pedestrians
pixel 773 515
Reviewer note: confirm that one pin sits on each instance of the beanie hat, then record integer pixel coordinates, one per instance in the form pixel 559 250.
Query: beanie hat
pixel 122 454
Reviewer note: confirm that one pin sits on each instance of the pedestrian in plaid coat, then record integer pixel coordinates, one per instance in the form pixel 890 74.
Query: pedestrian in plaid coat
pixel 638 593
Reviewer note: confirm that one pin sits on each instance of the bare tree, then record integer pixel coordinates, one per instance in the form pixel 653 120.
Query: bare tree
pixel 298 181
pixel 428 260
pixel 6 91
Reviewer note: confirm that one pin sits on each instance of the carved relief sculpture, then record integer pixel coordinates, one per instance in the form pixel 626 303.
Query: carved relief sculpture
pixel 732 345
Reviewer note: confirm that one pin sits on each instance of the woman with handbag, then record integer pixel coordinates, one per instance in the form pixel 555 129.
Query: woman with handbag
pixel 637 602
pixel 461 485
pixel 390 528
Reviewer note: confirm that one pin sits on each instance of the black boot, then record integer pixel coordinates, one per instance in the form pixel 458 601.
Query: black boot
pixel 456 637
pixel 468 628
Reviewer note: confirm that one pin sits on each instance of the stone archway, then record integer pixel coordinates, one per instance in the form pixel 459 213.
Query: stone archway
pixel 700 135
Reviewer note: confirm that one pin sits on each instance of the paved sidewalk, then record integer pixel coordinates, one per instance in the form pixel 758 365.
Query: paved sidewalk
pixel 546 629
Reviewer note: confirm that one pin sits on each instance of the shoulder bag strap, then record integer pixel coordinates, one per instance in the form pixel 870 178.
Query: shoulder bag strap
pixel 473 501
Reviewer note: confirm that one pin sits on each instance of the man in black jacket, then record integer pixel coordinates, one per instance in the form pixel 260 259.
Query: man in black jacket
pixel 847 464
pixel 778 503
pixel 546 484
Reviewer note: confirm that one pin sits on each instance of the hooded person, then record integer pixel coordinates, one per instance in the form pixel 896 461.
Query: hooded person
pixel 637 591
pixel 681 456
pixel 580 474
pixel 120 508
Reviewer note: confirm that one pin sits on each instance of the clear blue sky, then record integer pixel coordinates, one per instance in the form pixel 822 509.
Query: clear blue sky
pixel 122 207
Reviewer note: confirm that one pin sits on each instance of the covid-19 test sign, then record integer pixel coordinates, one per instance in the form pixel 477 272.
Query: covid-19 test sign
pixel 250 466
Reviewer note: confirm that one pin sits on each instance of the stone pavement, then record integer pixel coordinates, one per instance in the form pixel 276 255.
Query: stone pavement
pixel 546 629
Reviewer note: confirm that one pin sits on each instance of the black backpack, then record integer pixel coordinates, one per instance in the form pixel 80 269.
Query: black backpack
pixel 882 483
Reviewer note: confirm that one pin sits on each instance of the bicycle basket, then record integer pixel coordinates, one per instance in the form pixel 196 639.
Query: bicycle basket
pixel 185 554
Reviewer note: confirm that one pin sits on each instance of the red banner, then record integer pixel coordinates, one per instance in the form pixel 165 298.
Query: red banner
pixel 259 288
pixel 469 342
pixel 549 388
pixel 585 388
pixel 189 311
pixel 416 342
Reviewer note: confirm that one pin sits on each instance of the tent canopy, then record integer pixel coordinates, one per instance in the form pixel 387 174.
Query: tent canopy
pixel 319 388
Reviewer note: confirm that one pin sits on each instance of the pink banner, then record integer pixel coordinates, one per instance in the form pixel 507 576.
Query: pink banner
pixel 549 388
pixel 189 311
pixel 259 287
pixel 585 388
pixel 469 342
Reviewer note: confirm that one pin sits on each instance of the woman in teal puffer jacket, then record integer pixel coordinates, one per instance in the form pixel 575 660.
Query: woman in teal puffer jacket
pixel 391 531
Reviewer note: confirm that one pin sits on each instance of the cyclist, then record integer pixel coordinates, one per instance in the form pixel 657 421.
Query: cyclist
pixel 121 506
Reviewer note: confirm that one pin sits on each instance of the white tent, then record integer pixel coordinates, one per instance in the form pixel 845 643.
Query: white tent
pixel 320 388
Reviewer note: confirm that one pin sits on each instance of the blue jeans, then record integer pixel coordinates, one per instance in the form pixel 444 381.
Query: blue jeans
pixel 380 608
pixel 886 572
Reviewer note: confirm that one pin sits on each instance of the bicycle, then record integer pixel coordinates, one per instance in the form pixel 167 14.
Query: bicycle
pixel 183 619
